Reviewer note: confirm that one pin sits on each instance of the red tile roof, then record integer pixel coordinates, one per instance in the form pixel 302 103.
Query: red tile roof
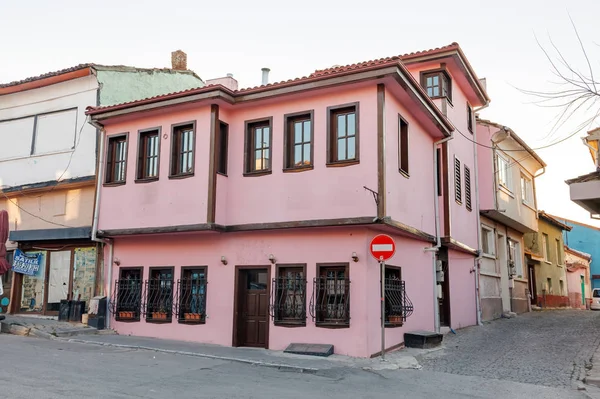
pixel 404 57
pixel 46 75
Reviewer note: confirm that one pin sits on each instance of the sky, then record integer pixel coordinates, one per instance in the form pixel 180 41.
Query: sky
pixel 500 39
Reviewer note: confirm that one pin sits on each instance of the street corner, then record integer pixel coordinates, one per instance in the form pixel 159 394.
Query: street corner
pixel 397 363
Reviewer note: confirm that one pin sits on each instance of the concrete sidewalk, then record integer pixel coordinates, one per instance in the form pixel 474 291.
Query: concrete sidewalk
pixel 45 327
pixel 402 359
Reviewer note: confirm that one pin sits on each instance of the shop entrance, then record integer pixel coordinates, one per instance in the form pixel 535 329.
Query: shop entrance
pixel 64 273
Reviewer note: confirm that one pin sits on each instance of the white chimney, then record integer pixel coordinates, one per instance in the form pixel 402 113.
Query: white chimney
pixel 265 76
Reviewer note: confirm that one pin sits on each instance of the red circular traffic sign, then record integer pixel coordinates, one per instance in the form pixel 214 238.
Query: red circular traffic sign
pixel 382 247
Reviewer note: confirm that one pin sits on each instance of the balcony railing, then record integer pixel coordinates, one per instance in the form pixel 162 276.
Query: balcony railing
pixel 127 304
pixel 288 305
pixel 190 307
pixel 330 301
pixel 397 304
pixel 158 305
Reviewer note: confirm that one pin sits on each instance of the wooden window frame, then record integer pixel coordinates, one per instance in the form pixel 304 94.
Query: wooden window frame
pixel 546 248
pixel 491 240
pixel 468 194
pixel 558 244
pixel 222 148
pixel 250 146
pixel 170 311
pixel 140 309
pixel 334 265
pixel 183 271
pixel 289 142
pixel 526 194
pixel 403 146
pixel 332 160
pixel 142 156
pixel 176 129
pixel 470 118
pixel 109 159
pixel 291 322
pixel 458 181
pixel 442 73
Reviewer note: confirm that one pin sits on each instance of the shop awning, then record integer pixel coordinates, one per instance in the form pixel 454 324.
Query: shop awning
pixel 70 233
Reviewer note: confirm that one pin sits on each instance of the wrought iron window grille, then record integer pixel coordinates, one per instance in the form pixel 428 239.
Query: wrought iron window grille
pixel 288 300
pixel 158 305
pixel 398 305
pixel 330 301
pixel 127 302
pixel 190 307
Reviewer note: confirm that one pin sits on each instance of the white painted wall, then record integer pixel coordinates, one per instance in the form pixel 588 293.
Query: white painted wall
pixel 61 131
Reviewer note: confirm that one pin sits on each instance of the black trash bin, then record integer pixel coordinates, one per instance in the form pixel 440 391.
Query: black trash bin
pixel 77 308
pixel 97 312
pixel 64 310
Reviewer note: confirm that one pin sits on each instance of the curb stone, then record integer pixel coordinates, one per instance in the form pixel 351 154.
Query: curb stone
pixel 284 367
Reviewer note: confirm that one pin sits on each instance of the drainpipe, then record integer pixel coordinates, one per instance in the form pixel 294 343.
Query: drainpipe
pixel 436 247
pixel 109 242
pixel 477 261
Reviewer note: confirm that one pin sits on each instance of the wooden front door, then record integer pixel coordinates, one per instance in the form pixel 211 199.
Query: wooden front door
pixel 252 310
pixel 532 284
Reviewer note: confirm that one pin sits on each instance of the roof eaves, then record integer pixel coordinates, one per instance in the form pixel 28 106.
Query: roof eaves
pixel 516 137
pixel 556 222
pixel 46 75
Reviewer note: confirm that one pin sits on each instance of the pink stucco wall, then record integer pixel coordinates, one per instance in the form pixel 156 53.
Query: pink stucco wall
pixel 409 199
pixel 307 246
pixel 462 290
pixel 485 162
pixel 167 201
pixel 321 193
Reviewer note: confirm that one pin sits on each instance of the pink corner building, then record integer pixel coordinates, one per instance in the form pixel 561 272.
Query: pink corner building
pixel 244 217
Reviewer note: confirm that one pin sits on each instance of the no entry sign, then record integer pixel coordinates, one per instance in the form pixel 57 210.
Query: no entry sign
pixel 382 247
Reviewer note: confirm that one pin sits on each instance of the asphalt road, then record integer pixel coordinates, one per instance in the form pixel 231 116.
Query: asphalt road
pixel 42 369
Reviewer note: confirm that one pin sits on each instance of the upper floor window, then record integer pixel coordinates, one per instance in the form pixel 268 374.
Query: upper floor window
pixel 222 148
pixel 182 150
pixel 343 134
pixel 470 118
pixel 258 146
pixel 148 154
pixel 116 159
pixel 545 247
pixel 298 137
pixel 526 190
pixel 468 204
pixel 457 181
pixel 437 84
pixel 402 145
pixel 559 259
pixel 504 174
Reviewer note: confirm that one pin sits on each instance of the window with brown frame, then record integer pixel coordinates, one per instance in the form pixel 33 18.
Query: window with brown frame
pixel 298 137
pixel 159 295
pixel 222 144
pixel 259 135
pixel 330 302
pixel 397 304
pixel 191 295
pixel 182 150
pixel 470 117
pixel 128 294
pixel 457 181
pixel 116 159
pixel 468 204
pixel 402 145
pixel 343 134
pixel 148 154
pixel 289 295
pixel 437 84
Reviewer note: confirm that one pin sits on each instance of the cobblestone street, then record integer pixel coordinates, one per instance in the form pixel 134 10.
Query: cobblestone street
pixel 549 348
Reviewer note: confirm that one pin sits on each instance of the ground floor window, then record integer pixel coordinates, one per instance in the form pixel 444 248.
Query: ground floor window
pixel 159 295
pixel 330 303
pixel 397 304
pixel 128 294
pixel 191 295
pixel 289 295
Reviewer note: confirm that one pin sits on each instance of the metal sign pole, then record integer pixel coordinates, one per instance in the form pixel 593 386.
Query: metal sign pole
pixel 382 272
